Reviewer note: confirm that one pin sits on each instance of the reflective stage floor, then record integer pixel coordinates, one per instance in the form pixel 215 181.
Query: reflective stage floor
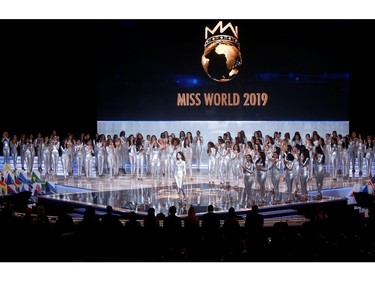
pixel 126 193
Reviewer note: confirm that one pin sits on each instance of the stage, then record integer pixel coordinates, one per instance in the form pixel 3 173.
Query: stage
pixel 126 193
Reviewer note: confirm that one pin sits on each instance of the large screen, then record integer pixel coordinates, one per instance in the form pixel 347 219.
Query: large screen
pixel 113 75
pixel 233 70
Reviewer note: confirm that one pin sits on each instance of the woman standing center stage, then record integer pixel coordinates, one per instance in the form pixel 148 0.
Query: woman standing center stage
pixel 180 173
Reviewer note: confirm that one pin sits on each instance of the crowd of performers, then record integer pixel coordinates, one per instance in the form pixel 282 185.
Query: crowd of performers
pixel 232 161
pixel 153 156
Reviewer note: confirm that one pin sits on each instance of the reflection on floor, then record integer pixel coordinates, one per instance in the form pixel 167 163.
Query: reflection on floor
pixel 125 193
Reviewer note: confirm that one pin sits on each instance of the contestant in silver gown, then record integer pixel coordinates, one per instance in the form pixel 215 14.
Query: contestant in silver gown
pixel 46 152
pixel 353 146
pixel 80 155
pixel 261 167
pixel 198 144
pixel 235 163
pixel 14 150
pixel 211 155
pixel 89 151
pixel 155 160
pixel 334 157
pixel 296 169
pixel 124 155
pixel 188 152
pixel 226 154
pixel 369 156
pixel 140 161
pixel 6 147
pixel 65 157
pixel 360 154
pixel 327 152
pixel 71 143
pixel 29 156
pixel 101 153
pixel 38 146
pixel 132 154
pixel 288 168
pixel 164 158
pixel 249 177
pixel 220 147
pixel 305 164
pixel 339 154
pixel 22 147
pixel 116 168
pixel 173 150
pixel 310 147
pixel 275 175
pixel 111 157
pixel 55 154
pixel 319 160
pixel 180 174
pixel 148 154
pixel 345 161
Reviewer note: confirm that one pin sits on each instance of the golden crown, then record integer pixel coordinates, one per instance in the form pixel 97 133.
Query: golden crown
pixel 222 33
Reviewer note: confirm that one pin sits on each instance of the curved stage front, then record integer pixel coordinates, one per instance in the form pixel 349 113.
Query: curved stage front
pixel 125 194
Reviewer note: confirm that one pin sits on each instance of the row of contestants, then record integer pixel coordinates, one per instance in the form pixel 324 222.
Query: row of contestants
pixel 149 155
pixel 153 156
pixel 257 163
pixel 111 154
pixel 50 153
pixel 341 152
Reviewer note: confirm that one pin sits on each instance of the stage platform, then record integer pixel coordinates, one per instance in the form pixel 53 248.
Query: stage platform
pixel 126 193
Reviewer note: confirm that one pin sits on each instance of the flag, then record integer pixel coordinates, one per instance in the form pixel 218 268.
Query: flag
pixel 9 179
pixel 7 167
pixel 350 197
pixel 27 187
pixel 44 188
pixel 8 176
pixel 22 177
pixel 3 187
pixel 37 189
pixel 11 189
pixel 26 184
pixel 35 177
pixel 17 183
pixel 371 186
pixel 23 187
pixel 50 187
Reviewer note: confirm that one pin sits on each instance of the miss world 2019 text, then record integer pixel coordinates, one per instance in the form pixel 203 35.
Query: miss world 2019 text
pixel 222 99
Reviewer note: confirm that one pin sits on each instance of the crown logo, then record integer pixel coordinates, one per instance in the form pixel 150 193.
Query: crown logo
pixel 221 59
pixel 222 33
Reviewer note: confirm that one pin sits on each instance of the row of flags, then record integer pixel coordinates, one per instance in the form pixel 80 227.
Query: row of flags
pixel 12 182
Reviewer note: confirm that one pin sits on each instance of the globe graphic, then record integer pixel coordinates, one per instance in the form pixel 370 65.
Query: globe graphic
pixel 221 60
